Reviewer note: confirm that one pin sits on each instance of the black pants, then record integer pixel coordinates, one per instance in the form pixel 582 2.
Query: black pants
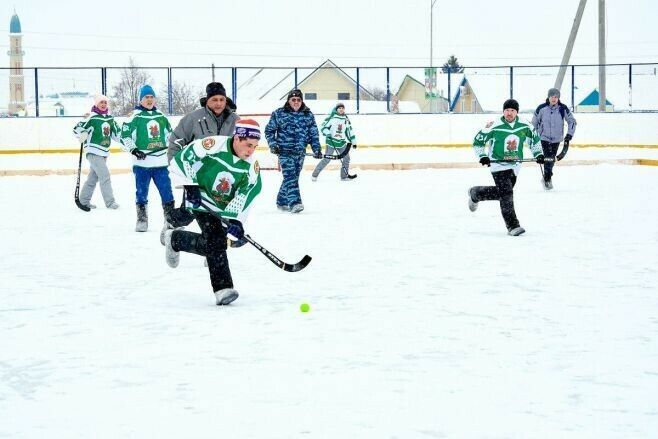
pixel 550 151
pixel 211 244
pixel 503 191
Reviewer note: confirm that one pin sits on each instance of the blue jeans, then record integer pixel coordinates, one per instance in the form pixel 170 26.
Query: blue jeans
pixel 161 179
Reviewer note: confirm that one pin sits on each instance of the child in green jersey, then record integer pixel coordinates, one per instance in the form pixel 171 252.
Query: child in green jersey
pixel 96 132
pixel 504 138
pixel 338 132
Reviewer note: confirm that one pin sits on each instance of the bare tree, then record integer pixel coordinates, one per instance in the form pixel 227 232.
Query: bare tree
pixel 378 93
pixel 184 98
pixel 126 93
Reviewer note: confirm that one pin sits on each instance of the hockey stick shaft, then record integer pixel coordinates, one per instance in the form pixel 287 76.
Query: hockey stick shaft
pixel 334 156
pixel 76 196
pixel 268 254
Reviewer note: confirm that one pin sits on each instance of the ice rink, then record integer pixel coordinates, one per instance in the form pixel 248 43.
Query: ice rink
pixel 426 320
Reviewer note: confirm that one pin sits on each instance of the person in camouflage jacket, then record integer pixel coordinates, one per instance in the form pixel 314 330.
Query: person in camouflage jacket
pixel 290 129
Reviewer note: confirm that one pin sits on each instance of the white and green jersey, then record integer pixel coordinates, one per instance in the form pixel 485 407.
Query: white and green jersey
pixel 148 131
pixel 505 141
pixel 338 130
pixel 228 183
pixel 101 129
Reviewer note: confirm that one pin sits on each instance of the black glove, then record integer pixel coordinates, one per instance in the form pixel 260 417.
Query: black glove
pixel 568 138
pixel 275 150
pixel 317 154
pixel 565 148
pixel 540 159
pixel 485 161
pixel 353 145
pixel 139 154
pixel 193 195
pixel 235 230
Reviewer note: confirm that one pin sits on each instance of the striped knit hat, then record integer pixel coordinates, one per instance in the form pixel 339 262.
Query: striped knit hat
pixel 247 128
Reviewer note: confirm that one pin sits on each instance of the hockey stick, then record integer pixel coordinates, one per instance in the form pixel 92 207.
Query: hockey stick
pixel 77 183
pixel 520 161
pixel 333 156
pixel 342 164
pixel 269 255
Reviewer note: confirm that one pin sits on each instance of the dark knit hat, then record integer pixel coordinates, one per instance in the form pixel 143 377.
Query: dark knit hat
pixel 214 89
pixel 340 105
pixel 296 93
pixel 554 92
pixel 511 103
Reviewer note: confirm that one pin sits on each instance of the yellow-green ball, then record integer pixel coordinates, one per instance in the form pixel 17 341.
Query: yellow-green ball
pixel 304 307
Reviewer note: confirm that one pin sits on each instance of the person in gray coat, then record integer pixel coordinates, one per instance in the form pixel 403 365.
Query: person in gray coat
pixel 215 118
pixel 548 122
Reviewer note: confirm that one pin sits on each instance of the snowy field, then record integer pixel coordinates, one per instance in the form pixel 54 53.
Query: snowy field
pixel 426 320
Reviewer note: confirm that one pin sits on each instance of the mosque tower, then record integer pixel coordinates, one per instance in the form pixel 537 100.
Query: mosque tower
pixel 16 78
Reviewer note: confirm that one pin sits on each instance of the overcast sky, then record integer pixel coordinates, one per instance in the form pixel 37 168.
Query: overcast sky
pixel 306 32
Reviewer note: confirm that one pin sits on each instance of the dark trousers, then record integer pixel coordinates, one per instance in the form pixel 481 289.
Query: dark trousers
pixel 291 167
pixel 504 192
pixel 211 244
pixel 550 150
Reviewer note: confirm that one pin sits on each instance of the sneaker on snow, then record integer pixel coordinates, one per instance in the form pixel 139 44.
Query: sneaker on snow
pixel 225 296
pixel 283 208
pixel 113 205
pixel 516 231
pixel 472 205
pixel 548 184
pixel 171 256
pixel 296 208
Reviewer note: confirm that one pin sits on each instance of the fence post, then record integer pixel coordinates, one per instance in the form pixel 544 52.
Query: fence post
pixel 103 81
pixel 358 101
pixel 234 85
pixel 388 90
pixel 295 77
pixel 573 88
pixel 36 92
pixel 170 93
pixel 449 90
pixel 630 87
pixel 511 82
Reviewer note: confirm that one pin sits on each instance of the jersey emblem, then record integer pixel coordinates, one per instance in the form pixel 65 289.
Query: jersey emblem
pixel 511 142
pixel 224 183
pixel 256 167
pixel 154 129
pixel 489 124
pixel 106 129
pixel 208 143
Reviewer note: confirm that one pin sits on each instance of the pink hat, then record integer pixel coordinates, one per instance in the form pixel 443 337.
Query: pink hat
pixel 99 98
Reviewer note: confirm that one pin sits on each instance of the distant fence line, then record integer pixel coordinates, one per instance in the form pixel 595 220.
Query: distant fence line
pixel 371 90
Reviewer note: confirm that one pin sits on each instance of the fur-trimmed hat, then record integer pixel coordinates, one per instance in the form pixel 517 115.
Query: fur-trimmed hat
pixel 296 93
pixel 214 89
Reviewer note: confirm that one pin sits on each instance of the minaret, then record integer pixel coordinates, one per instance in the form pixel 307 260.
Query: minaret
pixel 16 79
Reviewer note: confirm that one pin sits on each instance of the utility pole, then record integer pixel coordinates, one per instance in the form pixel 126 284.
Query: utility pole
pixel 570 43
pixel 432 98
pixel 601 55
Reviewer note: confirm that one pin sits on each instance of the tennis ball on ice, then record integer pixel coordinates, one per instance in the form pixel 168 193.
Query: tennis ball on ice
pixel 304 307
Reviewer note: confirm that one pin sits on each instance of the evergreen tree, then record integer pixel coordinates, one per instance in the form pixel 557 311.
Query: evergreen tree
pixel 452 66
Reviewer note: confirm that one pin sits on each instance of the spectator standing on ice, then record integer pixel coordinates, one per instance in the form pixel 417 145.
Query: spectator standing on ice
pixel 548 121
pixel 215 118
pixel 338 133
pixel 504 138
pixel 97 131
pixel 290 129
pixel 145 135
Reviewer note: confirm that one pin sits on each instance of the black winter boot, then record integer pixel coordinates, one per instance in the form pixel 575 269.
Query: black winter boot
pixel 142 218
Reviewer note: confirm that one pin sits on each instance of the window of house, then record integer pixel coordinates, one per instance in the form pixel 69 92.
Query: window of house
pixel 343 96
pixel 310 96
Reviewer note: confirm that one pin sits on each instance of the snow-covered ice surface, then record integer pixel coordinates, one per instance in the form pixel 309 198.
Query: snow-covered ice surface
pixel 426 321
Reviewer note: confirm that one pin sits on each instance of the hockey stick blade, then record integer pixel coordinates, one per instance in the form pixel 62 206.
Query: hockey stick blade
pixel 268 254
pixel 82 206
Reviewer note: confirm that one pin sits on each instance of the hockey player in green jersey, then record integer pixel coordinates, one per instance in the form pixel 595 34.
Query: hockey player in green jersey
pixel 338 132
pixel 218 174
pixel 145 135
pixel 96 132
pixel 505 139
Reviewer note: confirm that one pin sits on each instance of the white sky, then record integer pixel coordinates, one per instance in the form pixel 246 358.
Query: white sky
pixel 304 33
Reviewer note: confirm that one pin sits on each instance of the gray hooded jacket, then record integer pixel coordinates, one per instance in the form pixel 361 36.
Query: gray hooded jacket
pixel 199 124
pixel 548 121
